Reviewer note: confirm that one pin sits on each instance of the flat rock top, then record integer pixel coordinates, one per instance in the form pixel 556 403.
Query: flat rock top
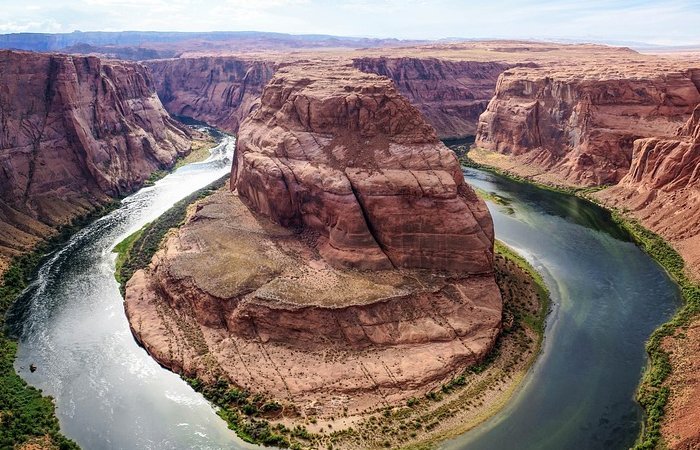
pixel 229 252
pixel 561 60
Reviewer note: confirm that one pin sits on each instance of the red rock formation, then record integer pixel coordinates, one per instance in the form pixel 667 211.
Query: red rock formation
pixel 450 94
pixel 75 131
pixel 351 176
pixel 344 155
pixel 579 123
pixel 662 189
pixel 218 90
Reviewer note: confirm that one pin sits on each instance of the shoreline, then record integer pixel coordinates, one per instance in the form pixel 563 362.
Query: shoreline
pixel 449 409
pixel 653 392
pixel 38 423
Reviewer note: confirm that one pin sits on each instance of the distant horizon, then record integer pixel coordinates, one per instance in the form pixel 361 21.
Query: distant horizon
pixel 558 40
pixel 657 23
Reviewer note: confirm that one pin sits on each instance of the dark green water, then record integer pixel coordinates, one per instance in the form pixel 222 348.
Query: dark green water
pixel 608 296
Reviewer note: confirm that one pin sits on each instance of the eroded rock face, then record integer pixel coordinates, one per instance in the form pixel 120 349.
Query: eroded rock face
pixel 75 131
pixel 580 123
pixel 334 171
pixel 662 189
pixel 234 294
pixel 451 95
pixel 344 155
pixel 221 91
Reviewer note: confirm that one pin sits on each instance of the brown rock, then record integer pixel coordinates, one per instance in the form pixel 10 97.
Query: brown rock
pixel 579 123
pixel 75 131
pixel 334 171
pixel 233 293
pixel 220 91
pixel 344 155
pixel 451 95
pixel 662 189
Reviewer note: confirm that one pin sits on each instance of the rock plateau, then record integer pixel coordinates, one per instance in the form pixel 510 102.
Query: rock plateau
pixel 335 172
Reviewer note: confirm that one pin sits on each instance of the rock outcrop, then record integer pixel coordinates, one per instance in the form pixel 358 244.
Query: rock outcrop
pixel 334 171
pixel 578 123
pixel 75 131
pixel 451 95
pixel 221 91
pixel 662 189
pixel 346 156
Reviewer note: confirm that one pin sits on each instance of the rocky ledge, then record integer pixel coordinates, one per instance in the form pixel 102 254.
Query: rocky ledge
pixel 335 172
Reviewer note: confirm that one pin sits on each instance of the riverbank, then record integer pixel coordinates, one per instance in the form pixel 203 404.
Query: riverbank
pixel 448 410
pixel 27 417
pixel 662 393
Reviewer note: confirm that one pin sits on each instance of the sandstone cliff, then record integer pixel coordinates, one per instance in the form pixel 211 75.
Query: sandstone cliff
pixel 450 94
pixel 75 131
pixel 346 156
pixel 578 123
pixel 218 90
pixel 334 171
pixel 662 189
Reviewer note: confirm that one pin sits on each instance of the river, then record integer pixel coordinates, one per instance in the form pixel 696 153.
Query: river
pixel 109 393
pixel 608 296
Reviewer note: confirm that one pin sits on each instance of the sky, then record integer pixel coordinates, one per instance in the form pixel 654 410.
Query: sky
pixel 672 22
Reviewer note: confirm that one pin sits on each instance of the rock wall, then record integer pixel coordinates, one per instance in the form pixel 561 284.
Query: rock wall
pixel 221 91
pixel 74 132
pixel 343 154
pixel 579 123
pixel 451 95
pixel 662 189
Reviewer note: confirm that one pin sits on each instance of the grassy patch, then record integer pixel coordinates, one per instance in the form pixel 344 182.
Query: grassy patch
pixel 248 415
pixel 200 151
pixel 136 251
pixel 535 321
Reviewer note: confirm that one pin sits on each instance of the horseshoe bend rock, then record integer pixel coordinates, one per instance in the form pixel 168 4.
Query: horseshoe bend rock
pixel 346 156
pixel 335 172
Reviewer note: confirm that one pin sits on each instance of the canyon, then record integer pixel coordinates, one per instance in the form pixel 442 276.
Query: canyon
pixel 76 132
pixel 348 238
pixel 336 147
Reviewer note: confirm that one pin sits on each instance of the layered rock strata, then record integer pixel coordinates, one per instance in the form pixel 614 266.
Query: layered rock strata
pixel 75 132
pixel 578 123
pixel 221 91
pixel 346 156
pixel 662 189
pixel 451 95
pixel 335 171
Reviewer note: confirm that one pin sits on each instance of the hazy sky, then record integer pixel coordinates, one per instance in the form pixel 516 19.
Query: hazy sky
pixel 660 22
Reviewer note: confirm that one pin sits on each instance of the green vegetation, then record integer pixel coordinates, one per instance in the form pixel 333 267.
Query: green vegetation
pixel 155 176
pixel 199 151
pixel 247 415
pixel 136 251
pixel 26 415
pixel 652 394
pixel 534 321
